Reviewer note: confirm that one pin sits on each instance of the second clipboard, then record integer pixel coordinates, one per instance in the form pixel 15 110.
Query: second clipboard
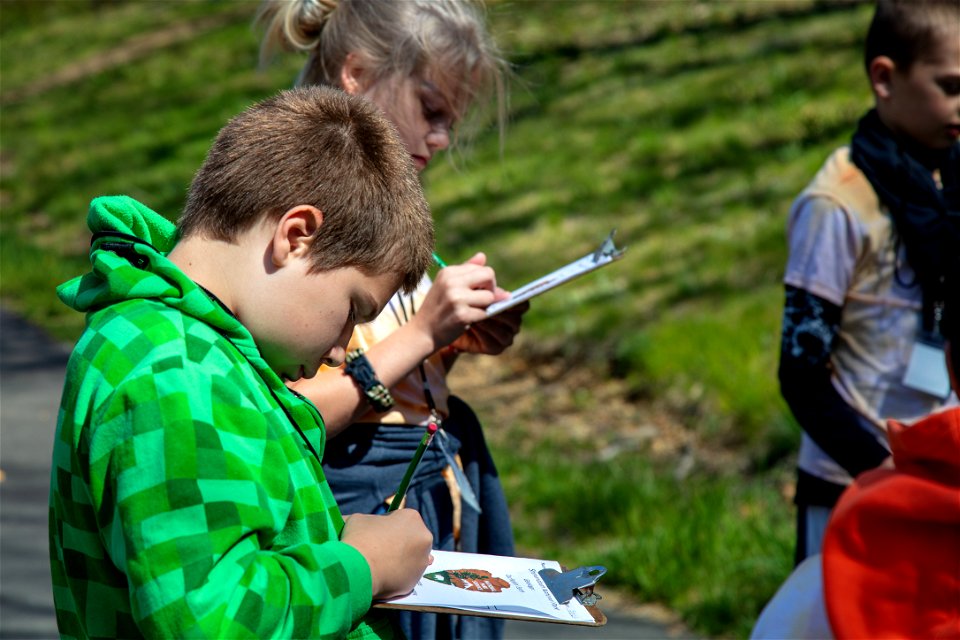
pixel 606 253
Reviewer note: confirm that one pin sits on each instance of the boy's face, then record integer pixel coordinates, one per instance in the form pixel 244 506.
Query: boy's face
pixel 923 102
pixel 306 319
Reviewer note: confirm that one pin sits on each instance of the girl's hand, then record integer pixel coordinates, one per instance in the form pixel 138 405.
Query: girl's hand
pixel 492 335
pixel 458 298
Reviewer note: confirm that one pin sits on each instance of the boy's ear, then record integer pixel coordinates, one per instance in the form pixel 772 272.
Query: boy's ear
pixel 353 77
pixel 881 76
pixel 294 234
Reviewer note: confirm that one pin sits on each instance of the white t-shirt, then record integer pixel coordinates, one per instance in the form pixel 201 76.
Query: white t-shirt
pixel 843 248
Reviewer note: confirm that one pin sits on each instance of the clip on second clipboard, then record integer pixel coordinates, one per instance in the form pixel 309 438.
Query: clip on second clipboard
pixel 608 249
pixel 577 583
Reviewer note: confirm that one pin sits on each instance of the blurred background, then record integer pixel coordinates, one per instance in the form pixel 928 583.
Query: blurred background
pixel 637 423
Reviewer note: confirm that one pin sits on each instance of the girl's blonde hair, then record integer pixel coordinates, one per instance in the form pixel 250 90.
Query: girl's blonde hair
pixel 394 38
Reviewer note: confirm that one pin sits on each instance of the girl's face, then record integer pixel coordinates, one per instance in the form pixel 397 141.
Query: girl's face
pixel 424 110
pixel 421 110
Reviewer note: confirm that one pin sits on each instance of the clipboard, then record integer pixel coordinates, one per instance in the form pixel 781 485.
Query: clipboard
pixel 606 253
pixel 505 587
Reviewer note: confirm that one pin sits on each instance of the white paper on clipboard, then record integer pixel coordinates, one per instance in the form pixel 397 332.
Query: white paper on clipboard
pixel 606 253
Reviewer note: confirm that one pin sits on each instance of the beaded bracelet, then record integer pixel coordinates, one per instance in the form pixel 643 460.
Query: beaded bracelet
pixel 359 368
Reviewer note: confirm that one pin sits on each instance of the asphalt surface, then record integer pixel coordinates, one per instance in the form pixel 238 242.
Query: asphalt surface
pixel 31 379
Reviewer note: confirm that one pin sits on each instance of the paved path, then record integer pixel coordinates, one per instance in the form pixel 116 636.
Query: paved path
pixel 31 376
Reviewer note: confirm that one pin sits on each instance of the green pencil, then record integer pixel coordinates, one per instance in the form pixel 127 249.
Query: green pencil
pixel 412 467
pixel 439 261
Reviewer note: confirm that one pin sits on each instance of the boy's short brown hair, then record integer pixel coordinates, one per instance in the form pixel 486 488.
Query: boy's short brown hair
pixel 321 147
pixel 903 30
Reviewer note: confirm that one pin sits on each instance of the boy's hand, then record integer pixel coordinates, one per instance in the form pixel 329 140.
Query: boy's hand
pixel 396 546
pixel 458 298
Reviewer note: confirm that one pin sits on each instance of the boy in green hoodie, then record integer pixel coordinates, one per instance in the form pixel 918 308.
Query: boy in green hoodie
pixel 187 497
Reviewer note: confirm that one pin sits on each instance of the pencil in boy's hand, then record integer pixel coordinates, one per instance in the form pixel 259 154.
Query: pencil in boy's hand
pixel 412 467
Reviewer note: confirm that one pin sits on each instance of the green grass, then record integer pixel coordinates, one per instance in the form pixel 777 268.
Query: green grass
pixel 688 126
pixel 714 548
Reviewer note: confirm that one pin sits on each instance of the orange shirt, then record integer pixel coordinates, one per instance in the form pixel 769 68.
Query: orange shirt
pixel 410 402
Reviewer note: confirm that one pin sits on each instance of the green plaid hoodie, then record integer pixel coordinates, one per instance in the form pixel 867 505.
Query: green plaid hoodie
pixel 187 497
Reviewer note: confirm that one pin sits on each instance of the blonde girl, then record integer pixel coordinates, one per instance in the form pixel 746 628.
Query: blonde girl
pixel 425 63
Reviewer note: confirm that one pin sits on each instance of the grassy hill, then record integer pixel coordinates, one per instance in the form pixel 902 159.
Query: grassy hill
pixel 688 126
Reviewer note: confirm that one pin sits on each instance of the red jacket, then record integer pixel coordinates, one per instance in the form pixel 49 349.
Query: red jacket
pixel 891 554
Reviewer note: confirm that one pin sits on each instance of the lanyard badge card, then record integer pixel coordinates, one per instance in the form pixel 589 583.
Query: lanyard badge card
pixel 927 368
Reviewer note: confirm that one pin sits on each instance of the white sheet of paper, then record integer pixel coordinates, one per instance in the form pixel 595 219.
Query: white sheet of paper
pixel 480 582
pixel 606 254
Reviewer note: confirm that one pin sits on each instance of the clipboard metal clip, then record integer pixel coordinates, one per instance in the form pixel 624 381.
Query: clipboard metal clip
pixel 608 249
pixel 577 583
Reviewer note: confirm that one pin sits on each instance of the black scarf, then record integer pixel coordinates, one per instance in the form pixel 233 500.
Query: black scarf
pixel 926 219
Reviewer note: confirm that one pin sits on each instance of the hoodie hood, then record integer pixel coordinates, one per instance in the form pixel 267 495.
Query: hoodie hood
pixel 128 256
pixel 128 259
pixel 891 558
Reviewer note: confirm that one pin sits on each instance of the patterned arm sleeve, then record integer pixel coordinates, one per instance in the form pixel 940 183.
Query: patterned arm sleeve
pixel 810 325
pixel 202 500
